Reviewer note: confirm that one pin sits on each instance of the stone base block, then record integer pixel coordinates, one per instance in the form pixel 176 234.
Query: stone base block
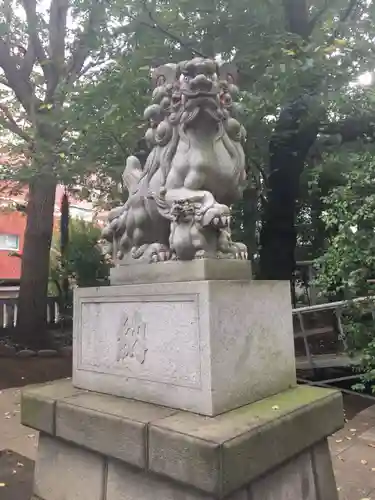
pixel 63 471
pixel 107 448
pixel 175 271
pixel 201 346
pixel 95 478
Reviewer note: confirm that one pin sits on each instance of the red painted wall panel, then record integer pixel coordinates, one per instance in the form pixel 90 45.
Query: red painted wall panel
pixel 11 222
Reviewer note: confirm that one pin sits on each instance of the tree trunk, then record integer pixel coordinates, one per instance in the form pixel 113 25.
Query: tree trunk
pixel 32 307
pixel 294 134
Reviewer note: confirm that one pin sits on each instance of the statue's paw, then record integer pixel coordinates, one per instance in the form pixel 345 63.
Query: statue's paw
pixel 160 257
pixel 217 216
pixel 240 251
pixel 200 254
pixel 205 254
pixel 224 255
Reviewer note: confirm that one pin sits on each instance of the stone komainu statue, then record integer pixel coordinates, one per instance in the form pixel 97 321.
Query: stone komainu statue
pixel 178 204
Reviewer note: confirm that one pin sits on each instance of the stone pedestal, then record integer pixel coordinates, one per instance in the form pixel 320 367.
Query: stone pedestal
pixel 108 448
pixel 206 346
pixel 183 390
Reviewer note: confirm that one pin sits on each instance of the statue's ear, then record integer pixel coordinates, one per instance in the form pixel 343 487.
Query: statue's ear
pixel 228 72
pixel 164 75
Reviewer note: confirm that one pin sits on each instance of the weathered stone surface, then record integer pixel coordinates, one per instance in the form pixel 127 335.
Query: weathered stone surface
pixel 124 483
pixel 47 353
pixel 38 404
pixel 7 351
pixel 112 426
pixel 369 436
pixel 192 346
pixel 65 472
pixel 217 456
pixel 293 481
pixel 26 353
pixel 301 428
pixel 38 413
pixel 185 458
pixel 324 477
pixel 177 271
pixel 246 442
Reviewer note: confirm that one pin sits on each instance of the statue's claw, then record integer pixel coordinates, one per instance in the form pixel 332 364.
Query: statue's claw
pixel 217 216
pixel 200 254
pixel 240 251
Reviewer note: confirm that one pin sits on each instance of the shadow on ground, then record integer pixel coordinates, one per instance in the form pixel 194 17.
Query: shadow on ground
pixel 16 372
pixel 16 476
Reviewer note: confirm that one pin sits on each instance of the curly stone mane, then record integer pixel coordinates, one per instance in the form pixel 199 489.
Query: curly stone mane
pixel 174 107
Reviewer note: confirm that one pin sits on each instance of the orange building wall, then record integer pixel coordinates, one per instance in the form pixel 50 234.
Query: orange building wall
pixel 11 222
pixel 14 222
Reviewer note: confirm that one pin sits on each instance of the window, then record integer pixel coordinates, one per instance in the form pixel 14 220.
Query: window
pixel 9 242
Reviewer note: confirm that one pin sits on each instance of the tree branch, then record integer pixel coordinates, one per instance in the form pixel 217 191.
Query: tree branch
pixel 349 10
pixel 345 15
pixel 21 87
pixel 57 31
pixel 260 169
pixel 10 123
pixel 352 128
pixel 155 25
pixel 297 17
pixel 82 44
pixel 318 16
pixel 57 35
pixel 28 61
pixel 32 27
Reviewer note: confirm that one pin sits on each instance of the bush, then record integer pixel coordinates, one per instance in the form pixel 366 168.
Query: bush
pixel 84 264
pixel 347 268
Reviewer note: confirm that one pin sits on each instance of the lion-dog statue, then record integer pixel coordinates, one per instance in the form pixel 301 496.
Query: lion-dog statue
pixel 178 205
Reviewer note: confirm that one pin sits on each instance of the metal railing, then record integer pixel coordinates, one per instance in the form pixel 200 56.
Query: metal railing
pixel 9 312
pixel 337 308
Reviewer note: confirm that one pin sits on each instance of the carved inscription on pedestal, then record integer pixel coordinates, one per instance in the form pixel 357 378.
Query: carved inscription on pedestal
pixel 154 339
pixel 131 339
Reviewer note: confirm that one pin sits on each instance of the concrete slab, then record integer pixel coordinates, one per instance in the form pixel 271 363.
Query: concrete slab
pixel 13 435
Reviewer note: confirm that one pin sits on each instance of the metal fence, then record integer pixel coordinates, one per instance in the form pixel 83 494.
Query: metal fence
pixel 9 311
pixel 304 331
